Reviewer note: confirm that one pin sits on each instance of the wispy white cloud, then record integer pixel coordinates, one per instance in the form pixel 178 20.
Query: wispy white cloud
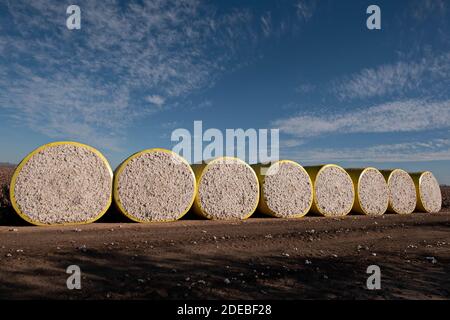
pixel 399 116
pixel 424 9
pixel 276 23
pixel 430 74
pixel 290 143
pixel 59 105
pixel 433 150
pixel 266 23
pixel 305 88
pixel 305 9
pixel 66 83
pixel 156 100
pixel 202 105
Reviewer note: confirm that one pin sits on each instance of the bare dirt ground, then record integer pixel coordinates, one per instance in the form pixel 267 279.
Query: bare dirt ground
pixel 261 258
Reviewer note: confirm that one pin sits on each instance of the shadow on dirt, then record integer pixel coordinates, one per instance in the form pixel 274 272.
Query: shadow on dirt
pixel 118 275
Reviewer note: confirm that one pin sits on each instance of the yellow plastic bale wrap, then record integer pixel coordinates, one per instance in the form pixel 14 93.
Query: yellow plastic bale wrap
pixel 154 185
pixel 371 191
pixel 333 190
pixel 227 189
pixel 428 192
pixel 402 192
pixel 285 189
pixel 62 183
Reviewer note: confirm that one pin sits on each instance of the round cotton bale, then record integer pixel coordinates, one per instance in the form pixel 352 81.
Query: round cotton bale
pixel 286 190
pixel 372 193
pixel 228 189
pixel 428 192
pixel 154 185
pixel 402 192
pixel 334 193
pixel 62 183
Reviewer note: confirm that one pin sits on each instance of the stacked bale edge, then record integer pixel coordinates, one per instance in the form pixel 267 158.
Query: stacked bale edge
pixel 154 185
pixel 333 190
pixel 62 183
pixel 371 191
pixel 227 189
pixel 285 189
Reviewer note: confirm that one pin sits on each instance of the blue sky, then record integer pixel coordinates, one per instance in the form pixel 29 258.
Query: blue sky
pixel 137 70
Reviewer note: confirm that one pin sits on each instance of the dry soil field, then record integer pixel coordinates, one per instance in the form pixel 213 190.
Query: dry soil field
pixel 258 258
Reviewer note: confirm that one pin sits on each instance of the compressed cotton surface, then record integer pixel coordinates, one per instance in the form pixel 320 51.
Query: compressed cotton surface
pixel 334 191
pixel 373 192
pixel 287 190
pixel 63 184
pixel 156 186
pixel 402 192
pixel 430 192
pixel 228 190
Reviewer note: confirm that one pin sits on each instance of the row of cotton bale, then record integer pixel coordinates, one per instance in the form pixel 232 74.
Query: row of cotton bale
pixel 72 183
